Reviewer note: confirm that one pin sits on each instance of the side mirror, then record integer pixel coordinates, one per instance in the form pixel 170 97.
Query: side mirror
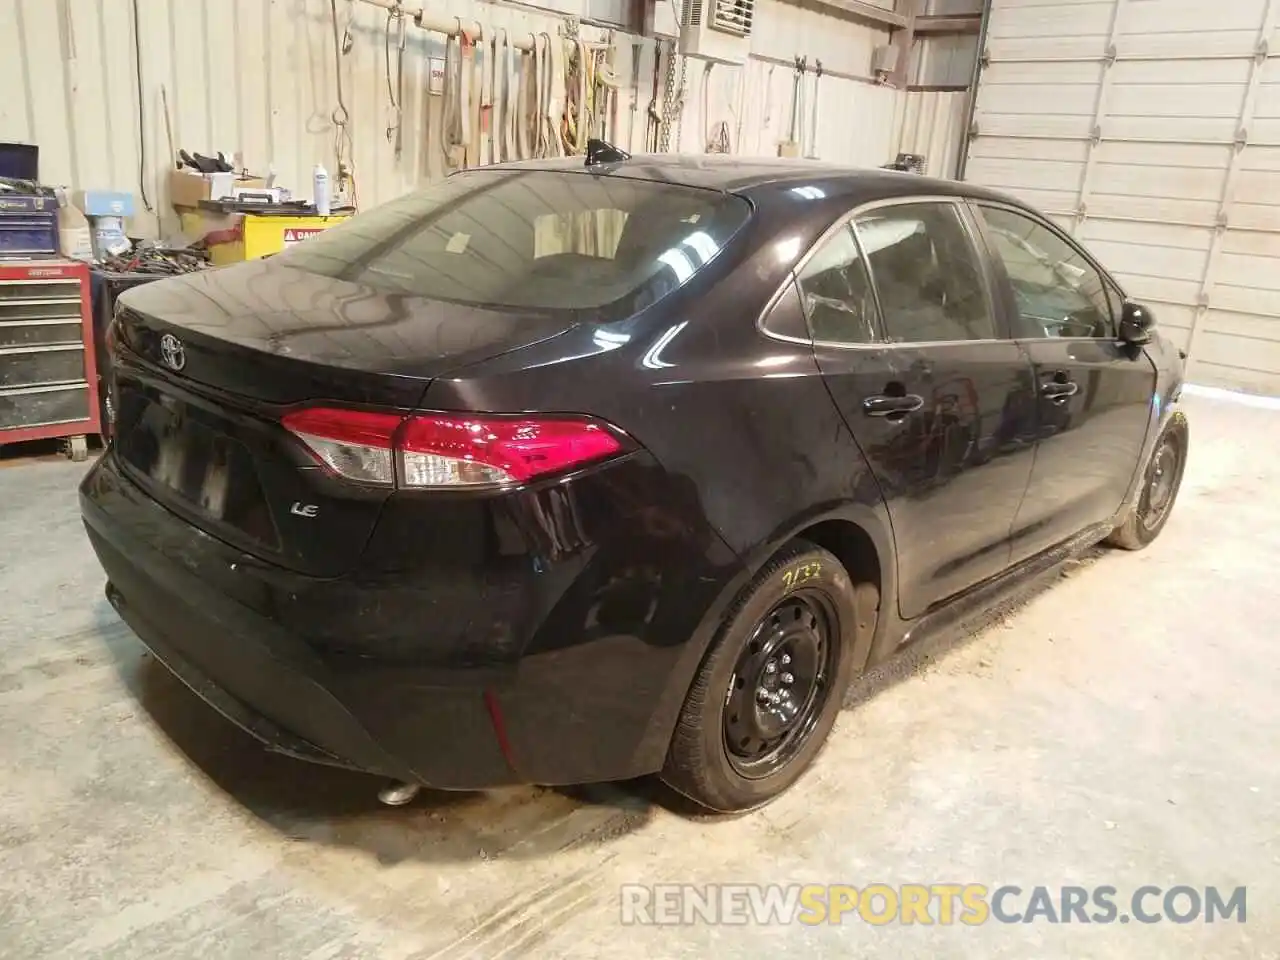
pixel 1136 322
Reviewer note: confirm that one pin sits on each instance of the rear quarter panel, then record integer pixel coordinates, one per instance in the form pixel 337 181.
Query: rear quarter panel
pixel 750 449
pixel 744 420
pixel 1165 402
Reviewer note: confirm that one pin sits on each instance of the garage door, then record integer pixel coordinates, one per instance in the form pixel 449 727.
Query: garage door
pixel 1151 130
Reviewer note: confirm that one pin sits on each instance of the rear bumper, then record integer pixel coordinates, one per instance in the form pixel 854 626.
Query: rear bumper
pixel 580 703
pixel 291 699
pixel 364 756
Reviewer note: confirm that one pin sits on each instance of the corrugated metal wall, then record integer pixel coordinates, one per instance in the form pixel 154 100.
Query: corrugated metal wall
pixel 1152 129
pixel 258 77
pixel 946 59
pixel 932 124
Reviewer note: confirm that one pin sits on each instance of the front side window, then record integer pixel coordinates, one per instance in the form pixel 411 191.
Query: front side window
pixel 534 240
pixel 1058 292
pixel 837 293
pixel 927 273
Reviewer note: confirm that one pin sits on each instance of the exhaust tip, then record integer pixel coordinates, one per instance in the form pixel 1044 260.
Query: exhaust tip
pixel 398 794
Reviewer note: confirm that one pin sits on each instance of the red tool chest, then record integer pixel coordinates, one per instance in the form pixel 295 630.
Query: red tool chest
pixel 48 372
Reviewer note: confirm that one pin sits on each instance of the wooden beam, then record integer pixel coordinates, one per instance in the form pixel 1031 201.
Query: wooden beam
pixel 869 12
pixel 904 40
pixel 962 23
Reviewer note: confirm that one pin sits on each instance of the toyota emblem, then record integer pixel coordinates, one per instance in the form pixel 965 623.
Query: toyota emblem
pixel 172 352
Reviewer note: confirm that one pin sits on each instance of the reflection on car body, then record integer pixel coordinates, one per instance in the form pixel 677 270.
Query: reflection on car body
pixel 557 472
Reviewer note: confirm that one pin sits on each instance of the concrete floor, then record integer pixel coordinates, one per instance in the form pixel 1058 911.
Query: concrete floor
pixel 1120 727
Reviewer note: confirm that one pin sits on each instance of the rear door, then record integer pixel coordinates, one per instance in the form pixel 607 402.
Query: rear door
pixel 1093 392
pixel 913 349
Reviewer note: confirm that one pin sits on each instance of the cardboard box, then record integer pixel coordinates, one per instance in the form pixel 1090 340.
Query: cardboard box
pixel 187 187
pixel 104 203
pixel 75 239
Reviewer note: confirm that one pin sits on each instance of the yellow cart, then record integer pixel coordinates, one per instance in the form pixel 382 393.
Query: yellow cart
pixel 257 235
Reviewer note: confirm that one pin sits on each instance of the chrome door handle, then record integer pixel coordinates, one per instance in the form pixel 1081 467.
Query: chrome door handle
pixel 886 406
pixel 1058 392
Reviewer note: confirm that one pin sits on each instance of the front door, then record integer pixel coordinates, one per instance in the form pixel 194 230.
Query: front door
pixel 941 403
pixel 1094 393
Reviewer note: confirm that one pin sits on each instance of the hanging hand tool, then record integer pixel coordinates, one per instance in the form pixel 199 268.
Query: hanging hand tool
pixel 348 41
pixel 530 85
pixel 584 88
pixel 486 63
pixel 558 97
pixel 608 82
pixel 653 118
pixel 168 126
pixel 541 142
pixel 768 99
pixel 538 145
pixel 797 103
pixel 497 126
pixel 607 78
pixel 740 109
pixel 812 153
pixel 566 125
pixel 794 145
pixel 635 94
pixel 471 66
pixel 510 65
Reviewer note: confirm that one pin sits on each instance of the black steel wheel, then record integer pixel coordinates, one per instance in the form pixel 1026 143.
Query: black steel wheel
pixel 768 691
pixel 1160 483
pixel 779 684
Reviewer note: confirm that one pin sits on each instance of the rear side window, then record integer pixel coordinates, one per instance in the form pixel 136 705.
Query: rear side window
pixel 531 239
pixel 927 273
pixel 837 293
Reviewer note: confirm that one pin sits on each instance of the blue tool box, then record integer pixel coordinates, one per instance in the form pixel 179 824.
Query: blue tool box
pixel 28 227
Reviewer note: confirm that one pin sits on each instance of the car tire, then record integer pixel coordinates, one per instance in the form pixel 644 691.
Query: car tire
pixel 1161 480
pixel 790 634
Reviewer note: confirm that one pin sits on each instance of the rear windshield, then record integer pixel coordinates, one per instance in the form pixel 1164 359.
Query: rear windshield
pixel 531 239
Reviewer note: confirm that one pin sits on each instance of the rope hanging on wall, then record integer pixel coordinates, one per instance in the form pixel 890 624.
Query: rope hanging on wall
pixel 395 93
pixel 341 116
pixel 505 97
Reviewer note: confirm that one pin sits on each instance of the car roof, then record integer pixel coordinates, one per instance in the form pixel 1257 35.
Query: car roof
pixel 755 175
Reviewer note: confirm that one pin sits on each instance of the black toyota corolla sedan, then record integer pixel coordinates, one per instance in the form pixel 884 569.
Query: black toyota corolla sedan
pixel 558 472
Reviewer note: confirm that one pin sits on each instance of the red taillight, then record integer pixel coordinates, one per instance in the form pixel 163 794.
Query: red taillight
pixel 449 450
pixel 352 443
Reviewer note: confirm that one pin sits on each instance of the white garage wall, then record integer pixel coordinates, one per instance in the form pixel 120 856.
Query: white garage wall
pixel 257 76
pixel 1162 156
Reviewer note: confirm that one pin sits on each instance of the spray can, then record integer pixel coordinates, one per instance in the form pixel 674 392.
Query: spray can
pixel 320 187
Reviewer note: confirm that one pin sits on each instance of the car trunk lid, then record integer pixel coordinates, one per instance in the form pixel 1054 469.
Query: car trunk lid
pixel 211 362
pixel 268 332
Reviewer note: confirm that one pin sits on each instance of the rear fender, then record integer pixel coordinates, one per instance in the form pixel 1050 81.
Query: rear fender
pixel 874 520
pixel 1165 405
